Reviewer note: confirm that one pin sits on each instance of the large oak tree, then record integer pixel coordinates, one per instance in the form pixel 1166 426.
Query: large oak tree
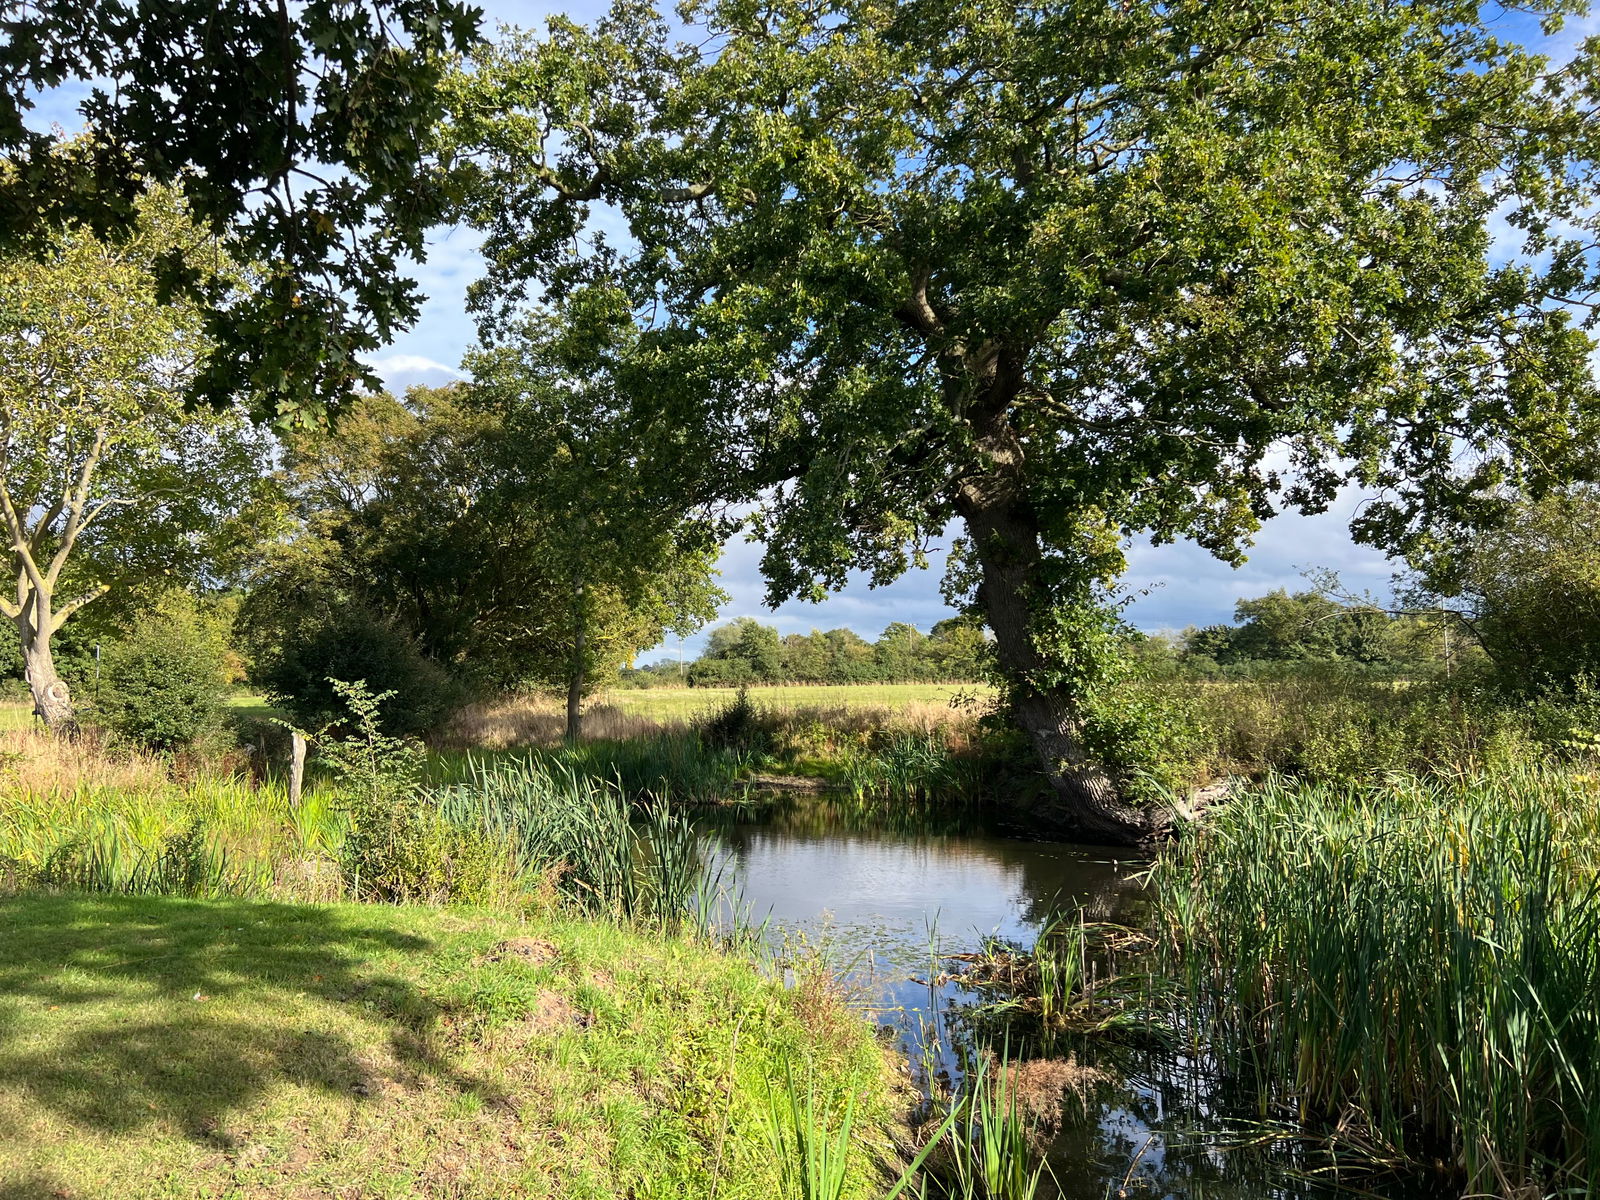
pixel 1064 273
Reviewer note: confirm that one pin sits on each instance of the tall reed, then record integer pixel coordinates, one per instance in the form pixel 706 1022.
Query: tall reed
pixel 606 853
pixel 1414 966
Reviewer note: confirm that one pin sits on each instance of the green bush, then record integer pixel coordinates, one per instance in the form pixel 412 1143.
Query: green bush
pixel 399 846
pixel 356 645
pixel 737 725
pixel 162 686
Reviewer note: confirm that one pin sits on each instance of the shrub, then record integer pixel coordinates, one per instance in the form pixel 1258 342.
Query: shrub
pixel 737 725
pixel 162 685
pixel 399 847
pixel 356 645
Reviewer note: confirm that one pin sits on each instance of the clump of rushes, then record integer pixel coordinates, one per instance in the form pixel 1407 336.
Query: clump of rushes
pixel 912 768
pixel 605 853
pixel 1070 982
pixel 983 1149
pixel 1413 968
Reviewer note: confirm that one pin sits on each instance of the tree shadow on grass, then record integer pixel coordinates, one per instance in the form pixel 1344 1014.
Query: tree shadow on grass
pixel 149 990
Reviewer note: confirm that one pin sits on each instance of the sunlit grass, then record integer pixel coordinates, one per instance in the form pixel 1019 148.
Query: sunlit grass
pixel 685 703
pixel 167 1048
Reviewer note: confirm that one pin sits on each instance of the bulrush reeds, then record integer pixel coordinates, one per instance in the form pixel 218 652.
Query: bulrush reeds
pixel 1412 968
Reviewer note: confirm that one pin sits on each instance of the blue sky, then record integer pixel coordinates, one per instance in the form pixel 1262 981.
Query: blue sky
pixel 1181 584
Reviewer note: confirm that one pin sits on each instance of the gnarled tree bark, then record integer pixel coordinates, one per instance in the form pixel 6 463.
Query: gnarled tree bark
pixel 1003 526
pixel 52 699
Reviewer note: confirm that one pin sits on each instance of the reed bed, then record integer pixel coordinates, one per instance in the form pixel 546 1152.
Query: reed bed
pixel 1411 968
pixel 585 836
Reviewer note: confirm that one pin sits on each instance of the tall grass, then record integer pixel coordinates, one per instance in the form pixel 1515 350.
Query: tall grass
pixel 1413 968
pixel 69 820
pixel 126 826
pixel 607 854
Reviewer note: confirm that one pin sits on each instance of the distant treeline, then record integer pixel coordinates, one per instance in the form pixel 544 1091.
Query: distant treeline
pixel 746 651
pixel 1283 630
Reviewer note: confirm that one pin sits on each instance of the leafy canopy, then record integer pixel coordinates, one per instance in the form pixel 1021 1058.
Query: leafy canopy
pixel 1174 265
pixel 108 482
pixel 300 131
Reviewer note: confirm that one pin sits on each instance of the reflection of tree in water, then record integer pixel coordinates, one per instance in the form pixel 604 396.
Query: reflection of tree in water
pixel 1060 878
pixel 1052 876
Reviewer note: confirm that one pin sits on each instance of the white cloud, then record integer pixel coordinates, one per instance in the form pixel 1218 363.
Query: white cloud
pixel 400 371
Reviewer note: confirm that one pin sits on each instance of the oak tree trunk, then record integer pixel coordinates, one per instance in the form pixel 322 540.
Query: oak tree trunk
pixel 1004 531
pixel 52 700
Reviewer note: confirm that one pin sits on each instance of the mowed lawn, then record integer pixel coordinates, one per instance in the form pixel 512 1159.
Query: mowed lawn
pixel 665 704
pixel 163 1049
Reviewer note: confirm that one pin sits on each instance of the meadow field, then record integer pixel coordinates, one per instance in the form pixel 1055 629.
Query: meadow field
pixel 675 705
pixel 670 704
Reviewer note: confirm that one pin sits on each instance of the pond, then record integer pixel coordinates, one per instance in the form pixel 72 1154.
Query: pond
pixel 883 899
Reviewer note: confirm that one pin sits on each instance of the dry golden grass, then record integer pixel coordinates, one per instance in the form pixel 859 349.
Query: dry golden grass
pixel 35 763
pixel 535 720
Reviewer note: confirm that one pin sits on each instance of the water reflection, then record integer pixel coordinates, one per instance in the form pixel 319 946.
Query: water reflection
pixel 881 894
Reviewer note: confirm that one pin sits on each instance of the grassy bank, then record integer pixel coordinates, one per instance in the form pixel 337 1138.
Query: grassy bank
pixel 156 1047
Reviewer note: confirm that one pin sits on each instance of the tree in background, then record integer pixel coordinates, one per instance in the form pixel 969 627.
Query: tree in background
pixel 621 537
pixel 1319 628
pixel 403 512
pixel 746 651
pixel 298 131
pixel 1528 590
pixel 755 647
pixel 450 520
pixel 1065 273
pixel 346 644
pixel 109 485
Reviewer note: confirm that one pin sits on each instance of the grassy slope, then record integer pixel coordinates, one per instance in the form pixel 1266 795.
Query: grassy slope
pixel 155 1047
pixel 682 703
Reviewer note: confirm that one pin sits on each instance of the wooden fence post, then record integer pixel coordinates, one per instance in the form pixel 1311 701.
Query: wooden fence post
pixel 297 766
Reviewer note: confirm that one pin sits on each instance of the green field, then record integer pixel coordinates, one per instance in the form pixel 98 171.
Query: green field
pixel 18 714
pixel 683 703
pixel 674 704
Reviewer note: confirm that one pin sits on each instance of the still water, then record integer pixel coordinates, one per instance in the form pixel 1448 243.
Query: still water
pixel 881 903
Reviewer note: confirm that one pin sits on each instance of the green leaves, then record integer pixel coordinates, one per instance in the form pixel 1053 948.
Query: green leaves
pixel 1072 273
pixel 1160 242
pixel 301 135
